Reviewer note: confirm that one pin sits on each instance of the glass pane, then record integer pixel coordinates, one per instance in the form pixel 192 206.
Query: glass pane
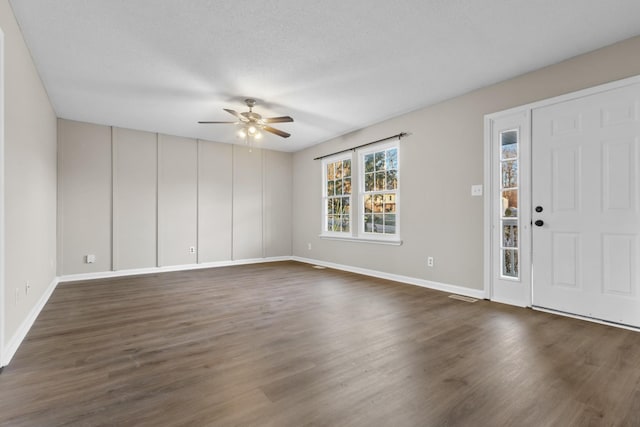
pixel 330 188
pixel 377 203
pixel 390 224
pixel 510 203
pixel 338 187
pixel 378 223
pixel 330 222
pixel 510 236
pixel 510 174
pixel 509 143
pixel 368 182
pixel 346 186
pixel 367 204
pixel 390 203
pixel 368 223
pixel 337 206
pixel 510 263
pixel 330 206
pixel 346 168
pixel 331 171
pixel 392 159
pixel 346 205
pixel 338 170
pixel 380 161
pixel 345 223
pixel 380 181
pixel 368 163
pixel 392 180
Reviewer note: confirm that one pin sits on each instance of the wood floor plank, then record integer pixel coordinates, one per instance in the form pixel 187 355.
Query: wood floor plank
pixel 283 344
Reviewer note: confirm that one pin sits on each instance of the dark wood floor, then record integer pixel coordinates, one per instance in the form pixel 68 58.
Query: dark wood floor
pixel 284 344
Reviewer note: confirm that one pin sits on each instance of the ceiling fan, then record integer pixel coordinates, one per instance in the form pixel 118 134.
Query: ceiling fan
pixel 252 122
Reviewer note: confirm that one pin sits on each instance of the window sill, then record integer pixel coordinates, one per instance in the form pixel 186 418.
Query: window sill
pixel 362 240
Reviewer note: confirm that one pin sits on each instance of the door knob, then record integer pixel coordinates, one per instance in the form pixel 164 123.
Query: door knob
pixel 539 209
pixel 539 222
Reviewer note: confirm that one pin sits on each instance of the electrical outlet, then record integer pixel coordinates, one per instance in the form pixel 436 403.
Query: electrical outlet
pixel 309 246
pixel 430 261
pixel 476 190
pixel 90 259
pixel 192 249
pixel 27 287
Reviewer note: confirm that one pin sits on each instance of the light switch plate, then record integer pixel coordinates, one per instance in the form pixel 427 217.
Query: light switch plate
pixel 476 190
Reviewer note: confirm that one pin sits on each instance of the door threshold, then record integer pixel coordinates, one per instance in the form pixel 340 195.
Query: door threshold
pixel 587 318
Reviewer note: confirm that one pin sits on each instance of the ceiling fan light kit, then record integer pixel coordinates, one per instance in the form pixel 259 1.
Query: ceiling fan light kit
pixel 253 123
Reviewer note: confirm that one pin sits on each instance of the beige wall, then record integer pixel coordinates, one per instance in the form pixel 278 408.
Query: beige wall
pixel 135 158
pixel 30 179
pixel 126 196
pixel 84 196
pixel 440 161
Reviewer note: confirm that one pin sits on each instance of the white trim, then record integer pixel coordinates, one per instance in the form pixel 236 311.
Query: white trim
pixel 444 287
pixel 488 212
pixel 2 231
pixel 588 319
pixel 27 323
pixel 165 269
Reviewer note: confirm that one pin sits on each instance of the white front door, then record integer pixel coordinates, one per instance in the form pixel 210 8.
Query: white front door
pixel 585 196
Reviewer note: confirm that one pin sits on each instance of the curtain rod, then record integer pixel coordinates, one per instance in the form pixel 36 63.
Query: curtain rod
pixel 399 136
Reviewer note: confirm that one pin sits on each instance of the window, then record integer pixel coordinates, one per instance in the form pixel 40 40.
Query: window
pixel 374 174
pixel 337 196
pixel 379 192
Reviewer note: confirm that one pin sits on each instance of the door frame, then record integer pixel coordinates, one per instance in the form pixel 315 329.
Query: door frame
pixel 520 293
pixel 490 185
pixel 2 229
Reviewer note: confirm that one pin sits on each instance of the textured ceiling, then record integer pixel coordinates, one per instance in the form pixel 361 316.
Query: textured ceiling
pixel 333 65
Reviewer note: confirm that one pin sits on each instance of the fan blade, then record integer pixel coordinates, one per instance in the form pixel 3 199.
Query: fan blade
pixel 232 123
pixel 232 112
pixel 282 119
pixel 276 131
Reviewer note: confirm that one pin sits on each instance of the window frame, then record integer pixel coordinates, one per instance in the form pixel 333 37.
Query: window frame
pixel 325 197
pixel 362 233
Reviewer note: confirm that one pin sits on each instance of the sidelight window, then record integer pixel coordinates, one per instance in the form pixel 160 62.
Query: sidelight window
pixel 509 198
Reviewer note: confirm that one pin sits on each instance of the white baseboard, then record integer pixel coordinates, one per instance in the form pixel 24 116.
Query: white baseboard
pixel 444 287
pixel 152 270
pixel 23 330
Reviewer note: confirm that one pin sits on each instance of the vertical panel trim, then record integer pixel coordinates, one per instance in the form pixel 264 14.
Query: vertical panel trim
pixel 60 205
pixel 156 201
pixel 263 174
pixel 111 196
pixel 198 144
pixel 114 202
pixel 158 230
pixel 233 195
